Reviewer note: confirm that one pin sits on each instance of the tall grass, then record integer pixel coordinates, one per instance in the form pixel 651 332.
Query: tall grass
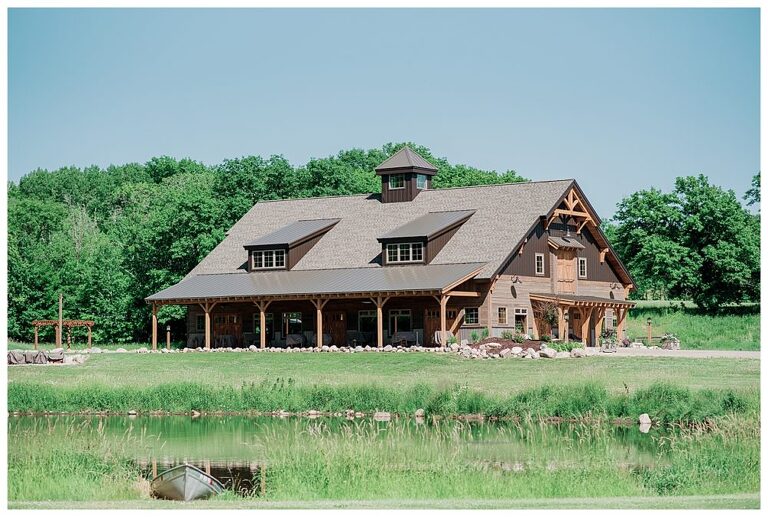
pixel 736 328
pixel 664 402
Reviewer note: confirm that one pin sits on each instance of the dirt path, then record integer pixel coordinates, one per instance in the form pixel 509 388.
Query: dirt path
pixel 700 354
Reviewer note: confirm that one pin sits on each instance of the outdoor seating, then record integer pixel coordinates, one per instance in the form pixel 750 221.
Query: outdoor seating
pixel 327 339
pixel 404 338
pixel 295 340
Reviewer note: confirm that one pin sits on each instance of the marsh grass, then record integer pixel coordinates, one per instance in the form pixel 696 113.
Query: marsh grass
pixel 664 402
pixel 74 459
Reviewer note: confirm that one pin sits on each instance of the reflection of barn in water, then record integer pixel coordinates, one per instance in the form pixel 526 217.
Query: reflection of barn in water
pixel 241 477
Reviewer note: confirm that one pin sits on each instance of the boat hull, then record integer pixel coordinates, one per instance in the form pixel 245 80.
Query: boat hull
pixel 185 483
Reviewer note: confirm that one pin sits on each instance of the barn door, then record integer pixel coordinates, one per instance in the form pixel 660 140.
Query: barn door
pixel 566 271
pixel 335 324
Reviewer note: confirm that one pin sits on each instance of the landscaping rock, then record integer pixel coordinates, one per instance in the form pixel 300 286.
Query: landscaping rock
pixel 464 342
pixel 506 352
pixel 578 352
pixel 493 345
pixel 454 347
pixel 253 348
pixel 95 350
pixel 419 413
pixel 549 353
pixel 121 350
pixel 382 416
pixel 142 350
pixel 563 355
pixel 517 350
pixel 637 345
pixel 644 419
pixel 133 412
pixel 333 348
pixel 388 348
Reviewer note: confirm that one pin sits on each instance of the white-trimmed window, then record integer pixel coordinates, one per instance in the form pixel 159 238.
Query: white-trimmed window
pixel 539 264
pixel 502 312
pixel 405 252
pixel 582 267
pixel 471 315
pixel 396 181
pixel 268 259
pixel 421 181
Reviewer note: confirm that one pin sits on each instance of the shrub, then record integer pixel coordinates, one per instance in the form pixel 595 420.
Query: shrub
pixel 508 334
pixel 484 333
pixel 474 336
pixel 546 338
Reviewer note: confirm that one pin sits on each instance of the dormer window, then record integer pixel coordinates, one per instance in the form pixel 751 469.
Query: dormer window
pixel 421 181
pixel 396 181
pixel 268 259
pixel 405 252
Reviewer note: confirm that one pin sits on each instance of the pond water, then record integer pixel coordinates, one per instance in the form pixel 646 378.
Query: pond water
pixel 238 450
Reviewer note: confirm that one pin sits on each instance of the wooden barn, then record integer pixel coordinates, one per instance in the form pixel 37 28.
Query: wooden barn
pixel 411 265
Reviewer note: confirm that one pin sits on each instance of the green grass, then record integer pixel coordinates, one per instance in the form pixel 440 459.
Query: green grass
pixel 722 501
pixel 664 402
pixel 391 370
pixel 737 328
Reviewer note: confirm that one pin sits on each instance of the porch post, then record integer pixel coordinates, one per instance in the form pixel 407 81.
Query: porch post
pixel 89 337
pixel 154 327
pixel 36 338
pixel 168 338
pixel 598 324
pixel 560 322
pixel 443 323
pixel 60 328
pixel 263 323
pixel 585 316
pixel 620 325
pixel 207 307
pixel 379 301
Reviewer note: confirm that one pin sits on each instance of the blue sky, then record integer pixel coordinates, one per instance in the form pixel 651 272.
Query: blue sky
pixel 621 100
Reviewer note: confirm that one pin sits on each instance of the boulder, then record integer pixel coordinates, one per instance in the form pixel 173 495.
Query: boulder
pixel 333 348
pixel 142 350
pixel 563 355
pixel 419 413
pixel 493 345
pixel 644 419
pixel 253 348
pixel 57 351
pixel 325 348
pixel 506 352
pixel 382 416
pixel 388 348
pixel 95 350
pixel 536 355
pixel 578 352
pixel 121 350
pixel 464 342
pixel 549 353
pixel 637 345
pixel 517 350
pixel 454 347
pixel 133 412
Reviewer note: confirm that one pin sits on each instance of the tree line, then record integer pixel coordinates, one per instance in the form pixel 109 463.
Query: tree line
pixel 109 237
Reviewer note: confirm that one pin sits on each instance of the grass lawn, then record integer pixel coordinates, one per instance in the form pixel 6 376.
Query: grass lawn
pixel 644 503
pixel 403 370
pixel 738 328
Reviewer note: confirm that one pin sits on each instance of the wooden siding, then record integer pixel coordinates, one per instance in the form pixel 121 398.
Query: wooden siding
pixel 525 264
pixel 408 193
pixel 296 253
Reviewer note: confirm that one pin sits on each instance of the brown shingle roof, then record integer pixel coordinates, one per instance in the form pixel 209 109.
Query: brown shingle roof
pixel 405 158
pixel 429 225
pixel 503 215
pixel 294 232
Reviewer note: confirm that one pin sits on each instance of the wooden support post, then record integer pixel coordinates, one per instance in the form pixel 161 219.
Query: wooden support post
pixel 89 337
pixel 598 324
pixel 622 313
pixel 262 322
pixel 560 322
pixel 443 324
pixel 379 301
pixel 168 338
pixel 319 304
pixel 650 326
pixel 154 326
pixel 59 330
pixel 586 314
pixel 36 337
pixel 207 327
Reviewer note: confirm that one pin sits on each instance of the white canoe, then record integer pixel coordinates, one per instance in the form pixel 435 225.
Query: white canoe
pixel 185 483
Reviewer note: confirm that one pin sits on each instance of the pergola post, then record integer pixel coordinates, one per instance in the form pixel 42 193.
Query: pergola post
pixel 319 304
pixel 560 322
pixel 598 324
pixel 168 337
pixel 36 337
pixel 154 327
pixel 89 337
pixel 379 301
pixel 60 328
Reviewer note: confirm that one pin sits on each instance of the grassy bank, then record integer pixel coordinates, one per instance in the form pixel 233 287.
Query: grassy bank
pixel 393 370
pixel 664 402
pixel 736 328
pixel 410 465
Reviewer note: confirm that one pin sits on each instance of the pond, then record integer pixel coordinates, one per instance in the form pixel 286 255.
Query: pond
pixel 336 457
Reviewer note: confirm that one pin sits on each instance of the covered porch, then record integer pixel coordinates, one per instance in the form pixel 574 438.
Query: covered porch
pixel 294 308
pixel 581 318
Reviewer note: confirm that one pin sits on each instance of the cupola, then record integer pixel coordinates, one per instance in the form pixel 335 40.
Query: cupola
pixel 404 175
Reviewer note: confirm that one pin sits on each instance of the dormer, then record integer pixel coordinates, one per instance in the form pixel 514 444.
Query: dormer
pixel 420 240
pixel 283 248
pixel 404 175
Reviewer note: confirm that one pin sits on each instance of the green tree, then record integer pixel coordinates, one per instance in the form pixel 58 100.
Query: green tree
pixel 752 197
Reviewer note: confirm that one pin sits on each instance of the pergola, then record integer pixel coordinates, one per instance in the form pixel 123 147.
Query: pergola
pixel 68 324
pixel 588 306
